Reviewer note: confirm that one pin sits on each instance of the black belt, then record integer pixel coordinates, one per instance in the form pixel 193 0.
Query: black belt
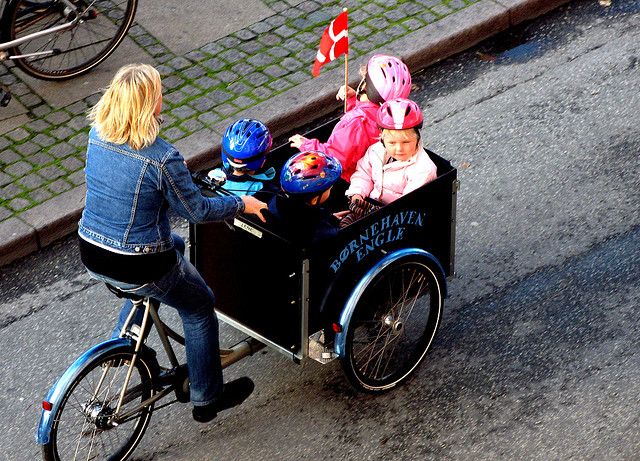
pixel 134 269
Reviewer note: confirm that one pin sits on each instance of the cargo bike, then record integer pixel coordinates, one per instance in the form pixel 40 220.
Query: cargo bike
pixel 371 297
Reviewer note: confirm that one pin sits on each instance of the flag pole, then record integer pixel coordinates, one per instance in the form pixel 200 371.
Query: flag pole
pixel 346 71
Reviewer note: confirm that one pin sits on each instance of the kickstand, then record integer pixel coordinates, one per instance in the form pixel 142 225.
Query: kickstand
pixel 5 96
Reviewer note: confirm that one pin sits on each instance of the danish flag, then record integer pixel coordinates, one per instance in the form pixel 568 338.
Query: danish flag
pixel 334 42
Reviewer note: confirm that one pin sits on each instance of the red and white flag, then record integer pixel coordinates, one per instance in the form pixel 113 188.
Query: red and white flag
pixel 334 42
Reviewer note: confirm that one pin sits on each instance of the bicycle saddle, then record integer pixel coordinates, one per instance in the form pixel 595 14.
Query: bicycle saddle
pixel 123 294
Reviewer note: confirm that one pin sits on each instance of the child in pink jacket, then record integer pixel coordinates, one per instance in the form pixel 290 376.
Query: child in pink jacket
pixel 385 77
pixel 397 164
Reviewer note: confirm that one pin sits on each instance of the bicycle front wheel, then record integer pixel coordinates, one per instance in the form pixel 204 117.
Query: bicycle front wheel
pixel 393 324
pixel 84 426
pixel 99 28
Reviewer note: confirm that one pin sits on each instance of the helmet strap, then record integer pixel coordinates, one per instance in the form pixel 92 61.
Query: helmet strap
pixel 361 87
pixel 371 91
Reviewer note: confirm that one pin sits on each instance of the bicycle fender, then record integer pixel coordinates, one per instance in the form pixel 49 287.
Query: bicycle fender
pixel 55 394
pixel 356 293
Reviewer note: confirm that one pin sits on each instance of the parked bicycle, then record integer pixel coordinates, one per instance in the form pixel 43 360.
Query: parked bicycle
pixel 61 39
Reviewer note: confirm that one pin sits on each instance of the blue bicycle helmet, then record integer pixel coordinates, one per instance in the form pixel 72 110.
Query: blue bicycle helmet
pixel 245 145
pixel 309 172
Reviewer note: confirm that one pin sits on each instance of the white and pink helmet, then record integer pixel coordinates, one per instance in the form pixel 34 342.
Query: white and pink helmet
pixel 399 114
pixel 387 78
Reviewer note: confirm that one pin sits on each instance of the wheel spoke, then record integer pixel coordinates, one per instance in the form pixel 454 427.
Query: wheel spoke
pixel 379 354
pixel 372 346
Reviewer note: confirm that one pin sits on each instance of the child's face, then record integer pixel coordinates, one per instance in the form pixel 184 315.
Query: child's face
pixel 325 195
pixel 320 199
pixel 400 144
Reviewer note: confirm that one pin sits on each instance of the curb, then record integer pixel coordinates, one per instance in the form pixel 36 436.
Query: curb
pixel 41 225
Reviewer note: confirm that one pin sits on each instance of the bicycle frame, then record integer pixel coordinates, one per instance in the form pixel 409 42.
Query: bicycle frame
pixel 53 399
pixel 227 356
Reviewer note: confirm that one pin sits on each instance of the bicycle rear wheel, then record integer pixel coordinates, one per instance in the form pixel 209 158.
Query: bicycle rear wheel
pixel 101 26
pixel 82 428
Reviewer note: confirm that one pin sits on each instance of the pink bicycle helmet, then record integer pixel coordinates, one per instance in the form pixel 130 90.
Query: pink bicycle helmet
pixel 399 114
pixel 387 78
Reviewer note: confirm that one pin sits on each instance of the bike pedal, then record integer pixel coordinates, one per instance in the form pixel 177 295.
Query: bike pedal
pixel 172 377
pixel 182 394
pixel 181 381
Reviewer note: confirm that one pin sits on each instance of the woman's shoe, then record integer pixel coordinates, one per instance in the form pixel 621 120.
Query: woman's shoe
pixel 233 393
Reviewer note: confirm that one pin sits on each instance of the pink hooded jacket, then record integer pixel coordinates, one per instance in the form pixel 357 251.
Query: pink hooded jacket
pixel 352 135
pixel 388 182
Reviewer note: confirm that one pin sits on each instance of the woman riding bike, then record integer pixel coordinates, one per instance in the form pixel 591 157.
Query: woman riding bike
pixel 133 177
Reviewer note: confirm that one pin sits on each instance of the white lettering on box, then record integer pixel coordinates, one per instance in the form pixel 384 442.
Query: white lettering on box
pixel 247 227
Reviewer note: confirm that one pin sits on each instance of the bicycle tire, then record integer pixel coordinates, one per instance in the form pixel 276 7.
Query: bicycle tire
pixel 79 49
pixel 80 429
pixel 393 325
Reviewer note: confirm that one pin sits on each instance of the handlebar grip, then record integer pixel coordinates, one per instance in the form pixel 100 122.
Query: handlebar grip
pixel 205 181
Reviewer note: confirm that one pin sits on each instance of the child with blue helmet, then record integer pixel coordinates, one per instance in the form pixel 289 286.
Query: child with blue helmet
pixel 306 178
pixel 245 145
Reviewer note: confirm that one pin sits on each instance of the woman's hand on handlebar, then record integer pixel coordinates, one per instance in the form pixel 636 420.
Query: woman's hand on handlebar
pixel 254 206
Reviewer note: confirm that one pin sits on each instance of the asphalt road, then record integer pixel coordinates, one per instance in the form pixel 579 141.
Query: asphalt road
pixel 537 357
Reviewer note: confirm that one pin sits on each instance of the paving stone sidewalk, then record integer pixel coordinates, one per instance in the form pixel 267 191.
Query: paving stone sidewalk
pixel 41 161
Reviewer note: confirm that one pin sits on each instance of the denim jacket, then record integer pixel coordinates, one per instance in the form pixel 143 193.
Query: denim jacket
pixel 130 191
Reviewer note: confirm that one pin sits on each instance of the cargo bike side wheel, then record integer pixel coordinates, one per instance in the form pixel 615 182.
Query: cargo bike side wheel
pixel 83 426
pixel 391 319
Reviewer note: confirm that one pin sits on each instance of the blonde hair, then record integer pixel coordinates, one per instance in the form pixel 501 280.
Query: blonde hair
pixel 126 111
pixel 406 135
pixel 362 71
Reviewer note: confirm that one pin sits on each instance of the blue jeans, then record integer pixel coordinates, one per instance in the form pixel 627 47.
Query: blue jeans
pixel 184 289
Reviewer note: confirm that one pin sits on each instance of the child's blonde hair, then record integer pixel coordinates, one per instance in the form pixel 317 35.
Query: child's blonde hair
pixel 406 135
pixel 126 111
pixel 362 71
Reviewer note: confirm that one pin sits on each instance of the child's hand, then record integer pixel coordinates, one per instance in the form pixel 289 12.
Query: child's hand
pixel 254 206
pixel 297 140
pixel 341 214
pixel 345 92
pixel 356 203
pixel 356 198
